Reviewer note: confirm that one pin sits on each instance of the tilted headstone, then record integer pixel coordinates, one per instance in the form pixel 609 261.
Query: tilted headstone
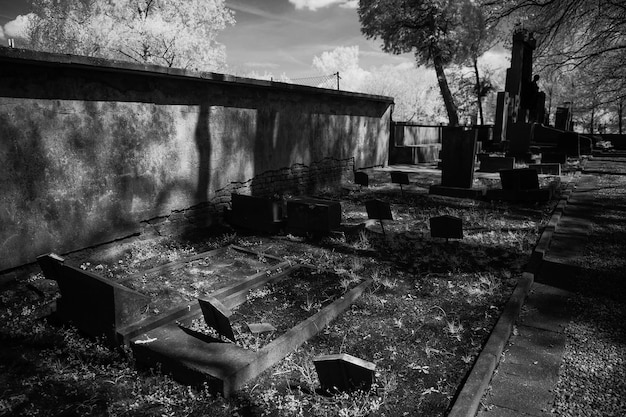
pixel 519 179
pixel 448 227
pixel 398 177
pixel 343 372
pixel 378 210
pixel 216 315
pixel 401 178
pixel 96 305
pixel 458 154
pixel 361 178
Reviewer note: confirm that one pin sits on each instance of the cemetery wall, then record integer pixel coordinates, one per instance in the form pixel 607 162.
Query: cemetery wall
pixel 91 150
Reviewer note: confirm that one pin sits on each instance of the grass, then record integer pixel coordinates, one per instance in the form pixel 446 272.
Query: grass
pixel 423 322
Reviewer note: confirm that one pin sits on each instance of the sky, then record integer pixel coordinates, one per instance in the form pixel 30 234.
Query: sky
pixel 273 36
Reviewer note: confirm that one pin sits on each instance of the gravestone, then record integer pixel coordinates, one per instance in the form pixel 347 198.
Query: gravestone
pixel 448 227
pixel 519 179
pixel 563 118
pixel 502 106
pixel 495 163
pixel 378 210
pixel 553 157
pixel 343 372
pixel 307 215
pixel 569 142
pixel 361 178
pixel 97 306
pixel 519 136
pixel 398 177
pixel 256 213
pixel 458 154
pixel 216 315
pixel 401 178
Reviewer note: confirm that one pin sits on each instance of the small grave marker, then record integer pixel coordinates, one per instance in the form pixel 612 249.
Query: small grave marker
pixel 378 210
pixel 343 372
pixel 401 178
pixel 306 215
pixel 448 227
pixel 361 178
pixel 216 315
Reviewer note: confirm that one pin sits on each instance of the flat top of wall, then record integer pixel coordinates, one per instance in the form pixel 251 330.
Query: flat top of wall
pixel 106 65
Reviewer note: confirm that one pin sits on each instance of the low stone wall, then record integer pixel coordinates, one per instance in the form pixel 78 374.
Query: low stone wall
pixel 91 149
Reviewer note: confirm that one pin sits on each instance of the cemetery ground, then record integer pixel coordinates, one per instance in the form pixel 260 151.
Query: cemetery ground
pixel 422 322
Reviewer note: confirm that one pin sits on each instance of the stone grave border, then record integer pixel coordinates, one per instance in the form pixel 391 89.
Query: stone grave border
pixel 467 400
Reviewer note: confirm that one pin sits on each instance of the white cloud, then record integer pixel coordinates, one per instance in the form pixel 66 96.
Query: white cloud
pixel 350 4
pixel 319 4
pixel 16 28
pixel 261 65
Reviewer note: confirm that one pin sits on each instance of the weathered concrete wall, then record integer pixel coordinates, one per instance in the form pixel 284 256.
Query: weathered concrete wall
pixel 90 148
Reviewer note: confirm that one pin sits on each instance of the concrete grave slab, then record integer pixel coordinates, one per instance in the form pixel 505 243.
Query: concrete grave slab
pixel 343 372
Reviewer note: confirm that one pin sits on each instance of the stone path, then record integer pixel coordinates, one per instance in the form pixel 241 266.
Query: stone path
pixel 528 371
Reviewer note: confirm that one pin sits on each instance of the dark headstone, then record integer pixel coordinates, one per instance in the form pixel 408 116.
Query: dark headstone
pixel 96 305
pixel 553 157
pixel 502 108
pixel 458 156
pixel 398 177
pixel 256 213
pixel 520 135
pixel 216 315
pixel 563 118
pixel 378 210
pixel 361 178
pixel 343 372
pixel 519 179
pixel 484 133
pixel 448 227
pixel 495 163
pixel 307 215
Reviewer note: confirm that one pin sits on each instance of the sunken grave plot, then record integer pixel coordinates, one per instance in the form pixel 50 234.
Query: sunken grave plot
pixel 273 307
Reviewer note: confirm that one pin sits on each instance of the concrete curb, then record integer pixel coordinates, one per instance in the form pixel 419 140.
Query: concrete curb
pixel 476 384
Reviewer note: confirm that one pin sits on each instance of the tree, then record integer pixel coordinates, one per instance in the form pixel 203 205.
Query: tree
pixel 431 29
pixel 172 33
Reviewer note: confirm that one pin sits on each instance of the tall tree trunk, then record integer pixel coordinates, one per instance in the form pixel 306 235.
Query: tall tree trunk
pixel 453 117
pixel 479 99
